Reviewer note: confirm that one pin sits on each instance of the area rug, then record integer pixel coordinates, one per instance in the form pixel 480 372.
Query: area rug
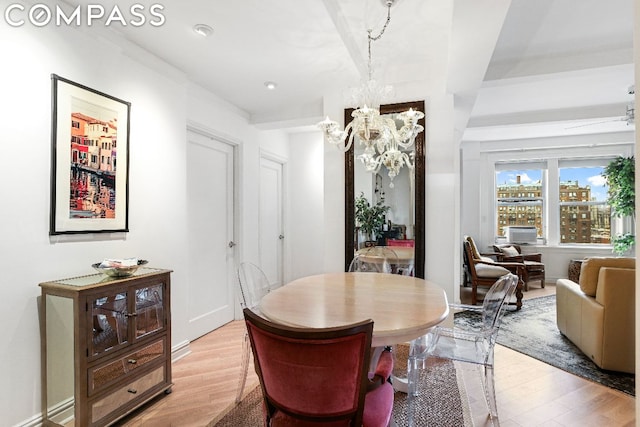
pixel 439 403
pixel 533 331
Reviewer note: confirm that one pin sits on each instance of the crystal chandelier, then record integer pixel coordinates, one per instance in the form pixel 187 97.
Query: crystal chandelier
pixel 383 142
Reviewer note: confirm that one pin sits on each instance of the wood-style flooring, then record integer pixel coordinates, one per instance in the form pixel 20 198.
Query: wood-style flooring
pixel 529 392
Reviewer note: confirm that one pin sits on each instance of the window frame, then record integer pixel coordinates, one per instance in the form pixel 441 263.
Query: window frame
pixel 524 200
pixel 600 162
pixel 551 218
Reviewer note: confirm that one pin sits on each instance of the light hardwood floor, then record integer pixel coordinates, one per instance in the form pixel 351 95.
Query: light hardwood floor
pixel 529 392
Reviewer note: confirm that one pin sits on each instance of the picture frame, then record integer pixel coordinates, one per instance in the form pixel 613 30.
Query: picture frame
pixel 89 160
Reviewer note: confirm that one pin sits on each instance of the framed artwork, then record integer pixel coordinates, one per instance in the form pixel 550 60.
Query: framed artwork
pixel 89 160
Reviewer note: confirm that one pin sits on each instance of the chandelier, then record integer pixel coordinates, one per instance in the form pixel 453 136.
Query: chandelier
pixel 384 144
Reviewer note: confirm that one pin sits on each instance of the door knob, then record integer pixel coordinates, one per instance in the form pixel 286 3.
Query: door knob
pixel 281 236
pixel 231 243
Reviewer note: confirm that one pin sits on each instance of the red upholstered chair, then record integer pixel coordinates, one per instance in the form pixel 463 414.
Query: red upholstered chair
pixel 320 376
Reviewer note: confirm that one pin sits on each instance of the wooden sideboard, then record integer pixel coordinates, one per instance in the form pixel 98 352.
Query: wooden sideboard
pixel 106 346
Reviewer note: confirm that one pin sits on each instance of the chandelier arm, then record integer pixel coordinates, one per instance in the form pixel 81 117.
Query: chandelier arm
pixel 407 161
pixel 407 143
pixel 351 135
pixel 378 162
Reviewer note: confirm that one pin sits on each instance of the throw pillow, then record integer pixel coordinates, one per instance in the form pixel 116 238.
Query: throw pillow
pixel 591 268
pixel 509 251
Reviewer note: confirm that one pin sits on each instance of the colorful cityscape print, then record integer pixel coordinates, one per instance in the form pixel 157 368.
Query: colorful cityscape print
pixel 93 164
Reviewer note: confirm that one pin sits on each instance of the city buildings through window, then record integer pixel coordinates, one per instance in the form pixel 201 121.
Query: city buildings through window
pixel 570 194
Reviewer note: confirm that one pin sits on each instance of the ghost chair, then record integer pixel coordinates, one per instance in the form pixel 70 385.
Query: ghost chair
pixel 252 286
pixel 376 259
pixel 320 376
pixel 462 345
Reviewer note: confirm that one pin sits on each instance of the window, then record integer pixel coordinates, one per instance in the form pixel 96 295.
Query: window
pixel 519 196
pixel 583 202
pixel 565 199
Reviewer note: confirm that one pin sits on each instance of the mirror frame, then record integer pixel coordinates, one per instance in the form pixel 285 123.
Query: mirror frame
pixel 349 200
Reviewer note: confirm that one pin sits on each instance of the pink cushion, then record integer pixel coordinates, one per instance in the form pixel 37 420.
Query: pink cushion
pixel 385 365
pixel 377 406
pixel 377 412
pixel 280 419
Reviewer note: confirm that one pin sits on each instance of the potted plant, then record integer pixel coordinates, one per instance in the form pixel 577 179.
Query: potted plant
pixel 370 218
pixel 620 176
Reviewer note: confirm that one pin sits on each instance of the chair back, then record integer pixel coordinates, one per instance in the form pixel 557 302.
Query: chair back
pixel 474 253
pixel 376 259
pixel 495 303
pixel 467 256
pixel 311 374
pixel 253 285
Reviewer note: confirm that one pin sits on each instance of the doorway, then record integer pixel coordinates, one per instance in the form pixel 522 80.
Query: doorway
pixel 271 231
pixel 210 208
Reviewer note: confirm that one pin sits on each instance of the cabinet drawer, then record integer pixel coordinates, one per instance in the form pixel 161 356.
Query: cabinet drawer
pixel 103 375
pixel 126 394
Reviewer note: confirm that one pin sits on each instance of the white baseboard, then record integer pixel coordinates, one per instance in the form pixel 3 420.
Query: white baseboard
pixel 35 421
pixel 180 350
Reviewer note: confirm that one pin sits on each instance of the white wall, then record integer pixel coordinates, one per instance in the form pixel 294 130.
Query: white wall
pixel 305 236
pixel 163 104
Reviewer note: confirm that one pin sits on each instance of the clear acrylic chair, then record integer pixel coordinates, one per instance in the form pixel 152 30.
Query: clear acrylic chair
pixel 376 259
pixel 470 346
pixel 253 286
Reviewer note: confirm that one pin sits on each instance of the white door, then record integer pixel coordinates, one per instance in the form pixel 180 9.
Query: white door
pixel 271 224
pixel 210 189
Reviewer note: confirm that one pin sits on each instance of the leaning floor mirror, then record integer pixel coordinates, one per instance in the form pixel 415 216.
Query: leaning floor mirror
pixel 403 195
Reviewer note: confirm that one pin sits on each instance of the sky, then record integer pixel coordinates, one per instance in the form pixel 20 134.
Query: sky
pixel 591 176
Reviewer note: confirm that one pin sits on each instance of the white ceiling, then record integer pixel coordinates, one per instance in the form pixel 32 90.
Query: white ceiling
pixel 554 61
pixel 560 67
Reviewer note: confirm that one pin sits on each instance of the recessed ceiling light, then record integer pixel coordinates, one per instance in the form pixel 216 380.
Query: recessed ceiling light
pixel 203 29
pixel 270 85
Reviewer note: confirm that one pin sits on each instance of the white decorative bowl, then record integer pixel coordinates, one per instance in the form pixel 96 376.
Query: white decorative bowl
pixel 119 271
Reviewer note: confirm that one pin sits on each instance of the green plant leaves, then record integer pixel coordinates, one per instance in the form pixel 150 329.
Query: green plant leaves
pixel 621 177
pixel 370 218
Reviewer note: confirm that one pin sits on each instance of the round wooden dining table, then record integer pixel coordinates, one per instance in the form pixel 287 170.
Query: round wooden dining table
pixel 402 307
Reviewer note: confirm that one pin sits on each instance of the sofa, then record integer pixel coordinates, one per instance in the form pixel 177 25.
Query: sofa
pixel 598 313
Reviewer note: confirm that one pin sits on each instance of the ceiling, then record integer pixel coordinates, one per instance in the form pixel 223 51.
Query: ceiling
pixel 556 64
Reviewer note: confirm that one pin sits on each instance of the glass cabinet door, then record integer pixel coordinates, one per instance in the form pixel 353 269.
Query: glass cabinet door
pixel 149 309
pixel 110 322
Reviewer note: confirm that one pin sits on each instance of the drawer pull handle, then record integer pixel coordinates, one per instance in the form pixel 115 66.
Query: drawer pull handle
pixel 132 361
pixel 132 391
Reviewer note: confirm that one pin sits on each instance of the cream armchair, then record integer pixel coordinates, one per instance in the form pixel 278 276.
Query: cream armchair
pixel 598 314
